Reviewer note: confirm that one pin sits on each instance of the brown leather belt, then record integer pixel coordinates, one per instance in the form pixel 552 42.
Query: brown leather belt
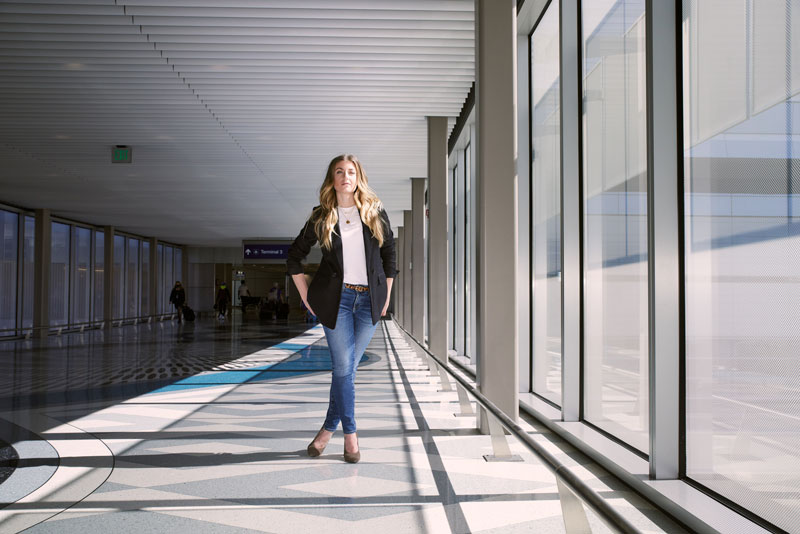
pixel 358 288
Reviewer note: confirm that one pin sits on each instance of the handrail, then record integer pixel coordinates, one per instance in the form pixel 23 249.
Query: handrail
pixel 610 516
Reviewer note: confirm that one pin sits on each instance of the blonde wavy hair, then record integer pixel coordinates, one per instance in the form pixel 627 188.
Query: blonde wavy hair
pixel 325 216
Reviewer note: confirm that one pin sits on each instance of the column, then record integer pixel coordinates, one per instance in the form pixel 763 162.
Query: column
pixel 495 104
pixel 400 278
pixel 41 272
pixel 154 276
pixel 663 176
pixel 438 285
pixel 418 258
pixel 570 213
pixel 108 275
pixel 408 286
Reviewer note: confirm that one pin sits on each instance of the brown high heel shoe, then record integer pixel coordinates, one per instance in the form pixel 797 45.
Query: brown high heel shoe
pixel 312 450
pixel 352 457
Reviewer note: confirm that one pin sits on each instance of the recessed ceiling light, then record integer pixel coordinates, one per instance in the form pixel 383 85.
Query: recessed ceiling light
pixel 74 66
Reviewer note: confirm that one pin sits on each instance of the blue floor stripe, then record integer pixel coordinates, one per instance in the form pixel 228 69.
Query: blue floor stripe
pixel 311 360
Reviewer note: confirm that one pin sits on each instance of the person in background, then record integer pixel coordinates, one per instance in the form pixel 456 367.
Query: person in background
pixel 274 300
pixel 350 290
pixel 223 299
pixel 244 293
pixel 178 298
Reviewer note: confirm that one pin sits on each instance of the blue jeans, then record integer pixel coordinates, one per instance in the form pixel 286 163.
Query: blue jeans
pixel 347 343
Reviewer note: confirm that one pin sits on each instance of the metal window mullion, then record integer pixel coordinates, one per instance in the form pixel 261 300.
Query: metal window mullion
pixel 664 259
pixel 524 345
pixel 569 24
pixel 472 221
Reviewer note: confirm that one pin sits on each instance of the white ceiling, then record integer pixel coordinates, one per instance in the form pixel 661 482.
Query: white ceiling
pixel 233 107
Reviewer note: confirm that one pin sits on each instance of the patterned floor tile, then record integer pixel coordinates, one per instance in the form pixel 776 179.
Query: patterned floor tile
pixel 210 435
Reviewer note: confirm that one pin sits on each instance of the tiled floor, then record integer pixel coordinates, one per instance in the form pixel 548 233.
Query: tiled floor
pixel 203 428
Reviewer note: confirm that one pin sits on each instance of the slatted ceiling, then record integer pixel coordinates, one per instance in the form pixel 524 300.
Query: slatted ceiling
pixel 245 34
pixel 233 107
pixel 372 5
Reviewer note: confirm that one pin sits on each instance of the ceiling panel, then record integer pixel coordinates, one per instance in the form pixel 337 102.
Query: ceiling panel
pixel 233 108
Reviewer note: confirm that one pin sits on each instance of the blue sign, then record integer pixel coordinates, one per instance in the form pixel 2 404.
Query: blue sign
pixel 265 251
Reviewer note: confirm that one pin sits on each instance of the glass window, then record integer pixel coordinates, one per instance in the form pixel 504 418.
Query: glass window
pixel 427 276
pixel 741 74
pixel 59 274
pixel 132 279
pixel 615 219
pixel 28 240
pixel 167 281
pixel 99 268
pixel 459 263
pixel 546 206
pixel 81 279
pixel 118 278
pixel 178 269
pixel 469 260
pixel 452 262
pixel 160 279
pixel 145 279
pixel 9 231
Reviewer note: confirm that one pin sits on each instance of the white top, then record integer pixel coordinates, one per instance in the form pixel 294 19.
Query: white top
pixel 353 255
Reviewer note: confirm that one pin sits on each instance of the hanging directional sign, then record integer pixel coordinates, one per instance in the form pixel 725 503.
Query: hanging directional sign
pixel 265 251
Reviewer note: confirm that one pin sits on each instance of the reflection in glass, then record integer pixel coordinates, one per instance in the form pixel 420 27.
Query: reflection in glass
pixel 167 281
pixel 741 73
pixel 160 279
pixel 28 240
pixel 9 230
pixel 615 219
pixel 118 278
pixel 59 274
pixel 81 295
pixel 99 263
pixel 177 273
pixel 546 206
pixel 132 279
pixel 145 279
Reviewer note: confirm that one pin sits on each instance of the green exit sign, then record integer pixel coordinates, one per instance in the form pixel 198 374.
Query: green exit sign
pixel 121 154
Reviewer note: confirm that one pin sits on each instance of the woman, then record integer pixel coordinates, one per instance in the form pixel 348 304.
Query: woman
pixel 350 291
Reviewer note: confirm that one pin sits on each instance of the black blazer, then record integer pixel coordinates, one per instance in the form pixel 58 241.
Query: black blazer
pixel 325 290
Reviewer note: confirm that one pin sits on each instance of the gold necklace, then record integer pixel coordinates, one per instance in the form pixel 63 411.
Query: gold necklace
pixel 347 215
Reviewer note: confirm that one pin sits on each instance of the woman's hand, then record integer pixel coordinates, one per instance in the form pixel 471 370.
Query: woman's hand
pixel 312 311
pixel 389 282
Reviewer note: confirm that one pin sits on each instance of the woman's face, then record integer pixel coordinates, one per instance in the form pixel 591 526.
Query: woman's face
pixel 344 177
